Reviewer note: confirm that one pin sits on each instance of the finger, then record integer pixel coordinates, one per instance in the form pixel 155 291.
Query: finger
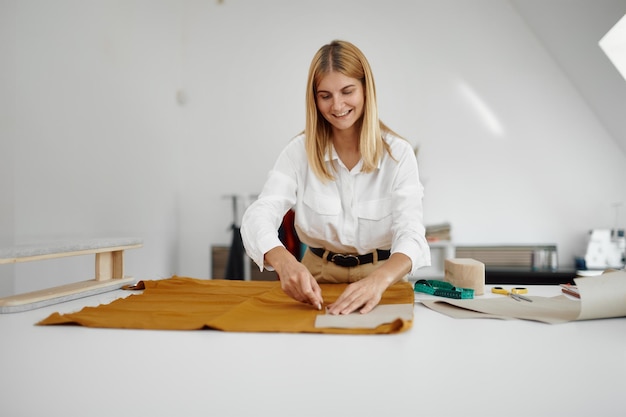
pixel 318 292
pixel 313 293
pixel 369 306
pixel 346 303
pixel 293 291
pixel 352 307
pixel 304 289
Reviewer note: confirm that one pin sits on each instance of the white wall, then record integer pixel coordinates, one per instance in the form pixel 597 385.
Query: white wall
pixel 96 131
pixel 101 146
pixel 7 133
pixel 550 176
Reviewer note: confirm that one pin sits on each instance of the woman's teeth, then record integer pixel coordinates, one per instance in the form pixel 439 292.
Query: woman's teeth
pixel 342 114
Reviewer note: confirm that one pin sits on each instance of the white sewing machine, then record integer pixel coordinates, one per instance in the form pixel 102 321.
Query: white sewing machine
pixel 606 249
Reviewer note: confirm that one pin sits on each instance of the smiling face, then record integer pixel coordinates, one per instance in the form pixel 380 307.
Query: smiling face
pixel 340 100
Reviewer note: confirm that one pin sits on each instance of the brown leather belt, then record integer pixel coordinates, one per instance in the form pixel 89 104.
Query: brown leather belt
pixel 341 259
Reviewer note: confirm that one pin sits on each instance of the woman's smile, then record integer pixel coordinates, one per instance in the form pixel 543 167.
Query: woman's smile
pixel 345 113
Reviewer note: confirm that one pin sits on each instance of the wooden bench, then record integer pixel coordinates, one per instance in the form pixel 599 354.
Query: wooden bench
pixel 109 270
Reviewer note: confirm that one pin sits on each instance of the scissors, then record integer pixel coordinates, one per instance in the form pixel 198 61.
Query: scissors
pixel 514 293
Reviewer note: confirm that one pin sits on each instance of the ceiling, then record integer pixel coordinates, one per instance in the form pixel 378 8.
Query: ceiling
pixel 570 31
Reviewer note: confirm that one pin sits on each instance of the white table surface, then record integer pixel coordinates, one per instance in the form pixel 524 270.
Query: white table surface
pixel 440 367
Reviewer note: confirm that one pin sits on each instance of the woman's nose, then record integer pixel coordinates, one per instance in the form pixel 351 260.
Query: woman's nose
pixel 337 103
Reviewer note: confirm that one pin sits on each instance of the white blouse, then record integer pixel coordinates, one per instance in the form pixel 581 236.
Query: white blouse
pixel 356 213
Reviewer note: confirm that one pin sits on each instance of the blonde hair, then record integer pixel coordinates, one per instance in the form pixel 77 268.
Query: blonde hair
pixel 347 59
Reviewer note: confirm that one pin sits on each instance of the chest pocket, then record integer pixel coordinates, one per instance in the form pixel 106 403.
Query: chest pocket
pixel 319 216
pixel 321 204
pixel 375 221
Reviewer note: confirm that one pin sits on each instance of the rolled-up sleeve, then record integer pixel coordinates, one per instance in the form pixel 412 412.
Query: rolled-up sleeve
pixel 409 234
pixel 262 219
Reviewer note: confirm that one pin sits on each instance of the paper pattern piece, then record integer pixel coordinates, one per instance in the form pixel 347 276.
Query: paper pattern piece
pixel 180 303
pixel 381 314
pixel 602 296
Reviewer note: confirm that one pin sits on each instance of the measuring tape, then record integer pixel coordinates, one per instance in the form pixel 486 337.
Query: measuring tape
pixel 442 289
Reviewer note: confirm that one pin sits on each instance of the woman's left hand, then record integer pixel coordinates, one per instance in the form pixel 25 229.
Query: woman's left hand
pixel 364 295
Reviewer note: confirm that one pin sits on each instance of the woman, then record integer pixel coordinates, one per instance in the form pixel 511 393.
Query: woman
pixel 354 187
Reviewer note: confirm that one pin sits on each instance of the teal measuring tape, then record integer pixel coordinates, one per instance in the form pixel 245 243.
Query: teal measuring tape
pixel 442 289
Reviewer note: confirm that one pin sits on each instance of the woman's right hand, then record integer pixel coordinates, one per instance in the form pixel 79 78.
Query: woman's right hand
pixel 295 279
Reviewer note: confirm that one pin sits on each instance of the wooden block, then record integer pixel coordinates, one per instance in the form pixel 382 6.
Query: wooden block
pixel 466 273
pixel 109 265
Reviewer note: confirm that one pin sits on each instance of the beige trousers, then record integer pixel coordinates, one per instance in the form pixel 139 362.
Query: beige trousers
pixel 326 272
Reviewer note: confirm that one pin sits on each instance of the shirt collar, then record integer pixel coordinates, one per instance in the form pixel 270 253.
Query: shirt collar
pixel 334 157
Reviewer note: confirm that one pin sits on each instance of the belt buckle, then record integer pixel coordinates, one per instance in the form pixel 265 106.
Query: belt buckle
pixel 345 260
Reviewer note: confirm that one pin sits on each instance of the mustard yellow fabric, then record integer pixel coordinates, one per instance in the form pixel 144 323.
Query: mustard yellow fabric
pixel 181 303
